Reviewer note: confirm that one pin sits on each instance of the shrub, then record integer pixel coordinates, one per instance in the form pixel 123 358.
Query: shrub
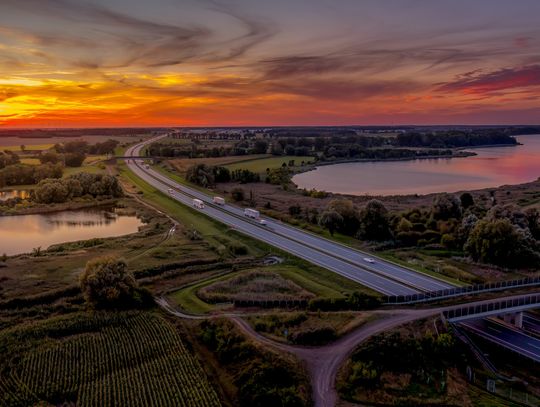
pixel 237 194
pixel 107 283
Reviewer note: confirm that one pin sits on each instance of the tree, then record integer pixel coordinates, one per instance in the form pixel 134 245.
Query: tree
pixel 75 159
pixel 260 147
pixel 501 243
pixel 330 220
pixel 200 174
pixel 374 224
pixel 467 200
pixel 446 206
pixel 345 208
pixel 49 156
pixel 237 194
pixel 107 283
pixel 51 191
pixel 533 219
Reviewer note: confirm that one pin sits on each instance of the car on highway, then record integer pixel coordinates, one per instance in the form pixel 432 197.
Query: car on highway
pixel 263 222
pixel 369 260
pixel 170 191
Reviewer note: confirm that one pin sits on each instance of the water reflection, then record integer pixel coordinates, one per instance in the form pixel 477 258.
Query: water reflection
pixel 21 234
pixel 22 193
pixel 492 167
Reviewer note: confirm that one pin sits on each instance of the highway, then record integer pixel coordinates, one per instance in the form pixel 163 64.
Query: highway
pixel 531 323
pixel 382 276
pixel 508 337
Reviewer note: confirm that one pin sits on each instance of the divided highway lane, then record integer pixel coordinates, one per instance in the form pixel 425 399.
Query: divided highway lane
pixel 382 276
pixel 505 336
pixel 531 323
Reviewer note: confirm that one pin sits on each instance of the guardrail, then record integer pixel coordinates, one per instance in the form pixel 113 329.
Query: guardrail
pixel 461 291
pixel 522 302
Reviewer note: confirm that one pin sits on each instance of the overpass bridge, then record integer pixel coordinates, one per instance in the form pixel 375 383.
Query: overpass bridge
pixel 492 307
pixel 507 333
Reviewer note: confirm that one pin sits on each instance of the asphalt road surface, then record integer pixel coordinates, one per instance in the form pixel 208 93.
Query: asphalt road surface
pixel 531 323
pixel 508 337
pixel 378 274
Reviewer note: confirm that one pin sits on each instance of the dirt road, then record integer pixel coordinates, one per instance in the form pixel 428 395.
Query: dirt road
pixel 324 362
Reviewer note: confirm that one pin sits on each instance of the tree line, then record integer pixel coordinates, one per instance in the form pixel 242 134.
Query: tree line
pixel 75 186
pixel 502 235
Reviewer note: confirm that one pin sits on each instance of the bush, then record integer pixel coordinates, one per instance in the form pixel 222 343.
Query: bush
pixel 314 336
pixel 74 159
pixel 501 243
pixel 107 283
pixel 237 194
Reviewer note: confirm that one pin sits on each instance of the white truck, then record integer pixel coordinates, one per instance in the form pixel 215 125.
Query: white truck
pixel 251 213
pixel 197 203
pixel 219 200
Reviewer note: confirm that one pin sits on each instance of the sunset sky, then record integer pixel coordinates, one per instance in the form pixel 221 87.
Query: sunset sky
pixel 99 63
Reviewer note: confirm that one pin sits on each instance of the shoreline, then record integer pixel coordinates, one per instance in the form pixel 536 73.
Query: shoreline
pixel 312 167
pixel 71 206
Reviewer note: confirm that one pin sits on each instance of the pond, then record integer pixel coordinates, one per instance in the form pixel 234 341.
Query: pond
pixel 21 234
pixel 491 167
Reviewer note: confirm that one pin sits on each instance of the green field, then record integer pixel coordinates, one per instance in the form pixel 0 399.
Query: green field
pixel 105 359
pixel 217 234
pixel 260 165
pixel 31 147
pixel 322 283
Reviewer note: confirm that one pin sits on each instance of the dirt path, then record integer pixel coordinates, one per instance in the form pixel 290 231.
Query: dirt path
pixel 324 362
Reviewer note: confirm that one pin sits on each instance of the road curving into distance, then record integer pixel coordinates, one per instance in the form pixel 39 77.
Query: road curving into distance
pixel 381 275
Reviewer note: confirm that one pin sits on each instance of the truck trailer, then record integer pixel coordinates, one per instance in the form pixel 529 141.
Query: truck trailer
pixel 197 203
pixel 251 213
pixel 219 200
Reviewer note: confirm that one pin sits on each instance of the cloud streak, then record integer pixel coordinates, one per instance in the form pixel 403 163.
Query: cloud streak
pixel 478 82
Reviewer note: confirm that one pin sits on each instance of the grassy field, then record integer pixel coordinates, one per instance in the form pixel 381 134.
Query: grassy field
pixel 106 359
pixel 305 327
pixel 30 147
pixel 182 164
pixel 319 282
pixel 259 165
pixel 255 285
pixel 217 234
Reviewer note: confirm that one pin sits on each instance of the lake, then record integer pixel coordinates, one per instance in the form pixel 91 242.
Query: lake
pixel 491 167
pixel 21 234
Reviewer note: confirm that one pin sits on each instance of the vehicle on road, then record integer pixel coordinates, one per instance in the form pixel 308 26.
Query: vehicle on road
pixel 251 213
pixel 218 200
pixel 369 260
pixel 170 191
pixel 197 203
pixel 263 222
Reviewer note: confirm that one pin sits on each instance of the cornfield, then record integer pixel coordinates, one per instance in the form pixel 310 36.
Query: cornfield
pixel 119 359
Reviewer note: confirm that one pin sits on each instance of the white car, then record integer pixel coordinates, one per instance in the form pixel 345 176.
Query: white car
pixel 170 191
pixel 369 260
pixel 263 222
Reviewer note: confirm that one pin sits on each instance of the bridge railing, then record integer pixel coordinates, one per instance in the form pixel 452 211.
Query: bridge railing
pixel 460 291
pixel 495 305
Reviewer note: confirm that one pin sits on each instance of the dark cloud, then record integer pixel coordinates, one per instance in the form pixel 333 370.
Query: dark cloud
pixel 480 83
pixel 140 42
